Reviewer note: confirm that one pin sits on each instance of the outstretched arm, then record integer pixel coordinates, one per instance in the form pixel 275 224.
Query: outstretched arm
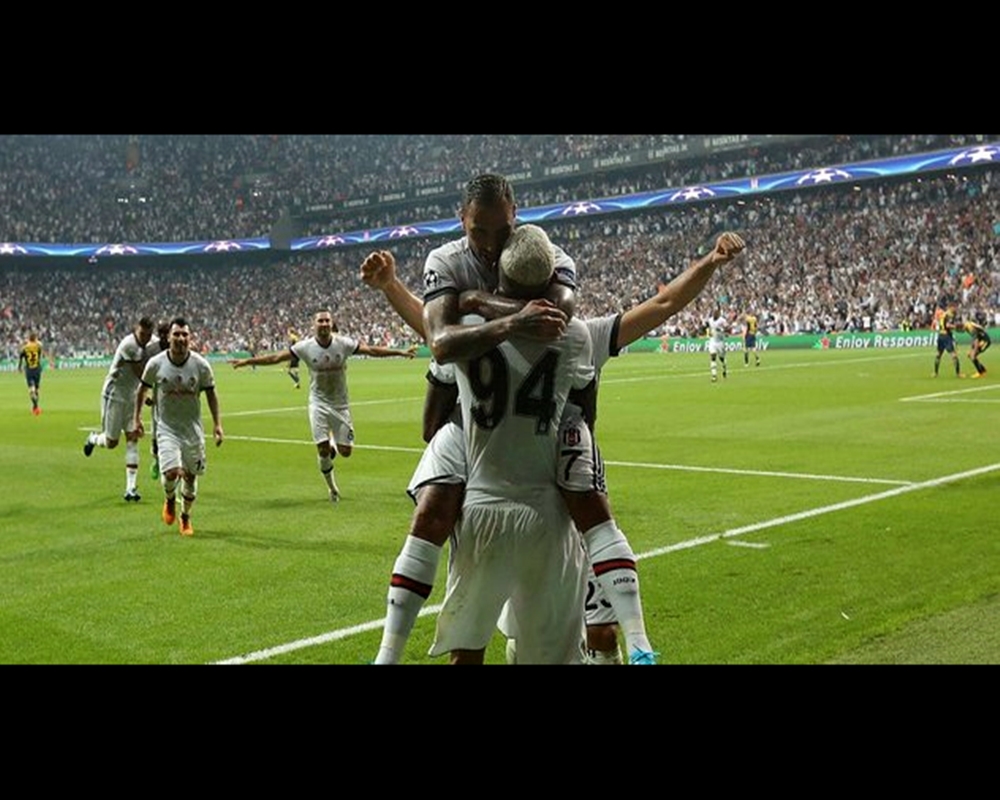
pixel 378 270
pixel 650 314
pixel 263 360
pixel 375 351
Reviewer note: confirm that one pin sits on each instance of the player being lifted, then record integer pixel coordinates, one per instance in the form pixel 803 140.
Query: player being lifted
pixel 414 571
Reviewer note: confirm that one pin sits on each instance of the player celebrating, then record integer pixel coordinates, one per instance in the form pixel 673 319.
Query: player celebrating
pixel 30 362
pixel 515 538
pixel 718 329
pixel 980 344
pixel 326 354
pixel 118 399
pixel 293 364
pixel 177 378
pixel 437 483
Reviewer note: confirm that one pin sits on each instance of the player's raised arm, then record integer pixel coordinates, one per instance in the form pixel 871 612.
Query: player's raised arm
pixel 378 271
pixel 672 298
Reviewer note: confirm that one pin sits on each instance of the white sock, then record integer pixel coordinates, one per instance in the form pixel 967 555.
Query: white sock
pixel 131 465
pixel 614 565
pixel 412 580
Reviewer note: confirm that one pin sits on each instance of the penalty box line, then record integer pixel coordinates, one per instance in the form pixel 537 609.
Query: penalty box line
pixel 343 633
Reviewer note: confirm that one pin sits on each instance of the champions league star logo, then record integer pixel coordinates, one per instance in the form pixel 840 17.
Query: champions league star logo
pixel 978 155
pixel 580 208
pixel 222 247
pixel 691 193
pixel 823 176
pixel 405 230
pixel 430 280
pixel 116 250
pixel 330 241
pixel 7 249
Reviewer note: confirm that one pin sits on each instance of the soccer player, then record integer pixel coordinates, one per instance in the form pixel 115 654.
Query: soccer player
pixel 437 483
pixel 118 400
pixel 980 344
pixel 293 364
pixel 945 324
pixel 178 377
pixel 30 362
pixel 487 212
pixel 750 340
pixel 325 353
pixel 718 329
pixel 515 538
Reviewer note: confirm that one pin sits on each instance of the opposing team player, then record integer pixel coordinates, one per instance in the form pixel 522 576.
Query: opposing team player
pixel 980 344
pixel 30 362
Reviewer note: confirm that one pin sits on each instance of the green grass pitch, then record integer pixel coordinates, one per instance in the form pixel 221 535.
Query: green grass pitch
pixel 826 507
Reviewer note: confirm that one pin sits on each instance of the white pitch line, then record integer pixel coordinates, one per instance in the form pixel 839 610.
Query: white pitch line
pixel 816 512
pixel 343 633
pixel 639 465
pixel 762 473
pixel 919 397
pixel 306 441
pixel 751 370
pixel 260 411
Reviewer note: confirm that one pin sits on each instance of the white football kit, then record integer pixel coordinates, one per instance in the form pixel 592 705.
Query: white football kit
pixel 180 437
pixel 717 332
pixel 329 407
pixel 122 384
pixel 515 538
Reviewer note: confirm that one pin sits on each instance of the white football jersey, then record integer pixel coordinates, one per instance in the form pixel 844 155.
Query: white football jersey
pixel 178 391
pixel 327 367
pixel 121 382
pixel 453 267
pixel 718 329
pixel 512 399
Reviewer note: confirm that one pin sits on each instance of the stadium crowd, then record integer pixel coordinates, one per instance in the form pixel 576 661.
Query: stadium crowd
pixel 879 256
pixel 101 189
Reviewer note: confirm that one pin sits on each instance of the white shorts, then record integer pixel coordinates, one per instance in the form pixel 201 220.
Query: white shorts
pixel 581 468
pixel 117 416
pixel 596 609
pixel 507 550
pixel 443 460
pixel 326 419
pixel 716 348
pixel 176 453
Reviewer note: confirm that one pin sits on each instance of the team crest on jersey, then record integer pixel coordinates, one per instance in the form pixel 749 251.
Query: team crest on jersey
pixel 571 437
pixel 430 280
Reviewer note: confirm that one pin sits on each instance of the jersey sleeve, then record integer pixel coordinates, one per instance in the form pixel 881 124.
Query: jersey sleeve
pixel 439 276
pixel 585 360
pixel 205 375
pixel 149 373
pixel 565 268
